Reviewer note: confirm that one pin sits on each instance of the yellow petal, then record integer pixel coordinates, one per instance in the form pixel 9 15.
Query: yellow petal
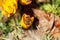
pixel 23 22
pixel 9 6
pixel 25 2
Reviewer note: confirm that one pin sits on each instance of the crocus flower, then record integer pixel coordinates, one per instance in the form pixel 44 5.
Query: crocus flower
pixel 26 21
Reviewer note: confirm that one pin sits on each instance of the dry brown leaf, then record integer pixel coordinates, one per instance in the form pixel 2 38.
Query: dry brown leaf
pixel 10 36
pixel 57 23
pixel 45 21
pixel 57 35
pixel 56 30
pixel 33 35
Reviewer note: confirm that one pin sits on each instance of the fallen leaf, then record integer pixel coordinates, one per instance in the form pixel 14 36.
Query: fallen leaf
pixel 45 20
